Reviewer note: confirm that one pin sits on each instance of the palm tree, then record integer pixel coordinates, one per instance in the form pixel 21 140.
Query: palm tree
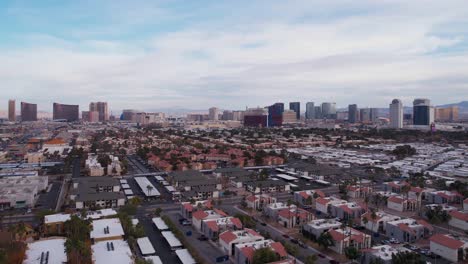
pixel 405 190
pixel 352 253
pixel 325 240
pixel 149 188
pixel 373 217
pixel 407 257
pixel 438 216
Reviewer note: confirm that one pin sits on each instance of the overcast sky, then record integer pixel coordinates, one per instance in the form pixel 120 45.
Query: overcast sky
pixel 232 54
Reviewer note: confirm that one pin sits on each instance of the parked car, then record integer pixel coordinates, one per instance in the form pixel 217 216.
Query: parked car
pixel 302 244
pixel 332 261
pixel 285 236
pixel 294 241
pixel 321 255
pixel 202 238
pixel 263 223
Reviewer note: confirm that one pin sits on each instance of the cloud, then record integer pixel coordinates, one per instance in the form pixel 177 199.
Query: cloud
pixel 248 53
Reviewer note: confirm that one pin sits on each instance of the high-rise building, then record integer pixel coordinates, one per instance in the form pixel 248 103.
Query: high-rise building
pixel 128 115
pixel 310 110
pixel 289 117
pixel 318 112
pixel 12 110
pixel 28 112
pixel 449 114
pixel 238 115
pixel 353 115
pixel 227 115
pixel 70 113
pixel 213 113
pixel 329 110
pixel 275 115
pixel 101 108
pixel 374 114
pixel 256 117
pixel 396 114
pixel 296 107
pixel 365 115
pixel 423 113
pixel 90 116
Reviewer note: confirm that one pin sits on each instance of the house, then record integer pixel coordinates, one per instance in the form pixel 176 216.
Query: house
pixel 348 210
pixel 267 186
pixel 243 253
pixel 379 222
pixel 97 192
pixel 459 220
pixel 315 228
pixel 356 191
pixel 106 229
pixel 229 239
pixel 408 230
pixel 259 201
pixel 382 254
pixel 53 224
pixel 349 237
pixel 199 216
pixel 395 186
pixel 418 193
pixel 448 247
pixel 307 198
pixel 213 227
pixel 187 208
pixel 53 249
pixel 291 217
pixel 323 205
pixel 444 197
pixel 272 209
pixel 401 204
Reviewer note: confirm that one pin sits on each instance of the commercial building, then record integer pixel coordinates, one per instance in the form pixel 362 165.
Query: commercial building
pixel 296 107
pixel 106 229
pixel 365 115
pixel 213 113
pixel 12 110
pixel 448 114
pixel 114 251
pixel 310 110
pixel 374 114
pixel 396 114
pixel 289 116
pixel 49 250
pixel 128 115
pixel 28 112
pixel 275 115
pixel 353 113
pixel 101 108
pixel 70 113
pixel 329 110
pixel 318 112
pixel 256 117
pixel 423 112
pixel 21 191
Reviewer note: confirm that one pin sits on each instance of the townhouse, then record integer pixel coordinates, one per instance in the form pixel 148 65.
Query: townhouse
pixel 408 230
pixel 259 201
pixel 315 228
pixel 448 247
pixel 349 237
pixel 229 239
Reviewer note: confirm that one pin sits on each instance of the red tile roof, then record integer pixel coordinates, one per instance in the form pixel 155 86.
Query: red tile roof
pixel 304 195
pixel 220 212
pixel 212 225
pixel 237 222
pixel 55 141
pixel 248 252
pixel 252 232
pixel 406 228
pixel 227 237
pixel 337 236
pixel 459 215
pixel 199 215
pixel 396 199
pixel 425 224
pixel 322 201
pixel 446 241
pixel 252 198
pixel 188 207
pixel 279 248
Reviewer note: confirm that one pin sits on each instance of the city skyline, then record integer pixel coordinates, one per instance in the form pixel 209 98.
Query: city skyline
pixel 164 55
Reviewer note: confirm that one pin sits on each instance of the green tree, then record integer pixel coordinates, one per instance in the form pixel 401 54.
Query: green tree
pixel 407 257
pixel 311 259
pixel 157 211
pixel 352 253
pixel 325 240
pixel 264 255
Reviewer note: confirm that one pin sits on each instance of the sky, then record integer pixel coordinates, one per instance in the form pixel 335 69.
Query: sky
pixel 232 54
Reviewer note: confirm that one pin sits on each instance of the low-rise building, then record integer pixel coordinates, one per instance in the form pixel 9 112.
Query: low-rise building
pixel 356 191
pixel 259 201
pixel 444 197
pixel 229 239
pixel 97 192
pixel 244 252
pixel 267 186
pixel 459 220
pixel 382 254
pixel 349 237
pixel 53 224
pixel 187 208
pixel 315 228
pixel 377 222
pixel 50 250
pixel 213 227
pixel 199 216
pixel 106 229
pixel 401 204
pixel 272 209
pixel 448 247
pixel 114 251
pixel 21 191
pixel 408 230
pixel 292 217
pixel 307 197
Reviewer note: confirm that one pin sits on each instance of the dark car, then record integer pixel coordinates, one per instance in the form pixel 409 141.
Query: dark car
pixel 263 223
pixel 202 238
pixel 302 244
pixel 294 241
pixel 332 261
pixel 285 236
pixel 321 255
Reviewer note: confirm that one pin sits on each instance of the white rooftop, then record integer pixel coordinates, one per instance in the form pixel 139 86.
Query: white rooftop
pixel 143 183
pixel 55 247
pixel 171 239
pixel 185 257
pixel 101 213
pixel 155 259
pixel 385 251
pixel 56 218
pixel 160 224
pixel 146 248
pixel 114 251
pixel 106 228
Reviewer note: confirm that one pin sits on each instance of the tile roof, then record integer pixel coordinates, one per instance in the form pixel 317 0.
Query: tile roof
pixel 459 215
pixel 227 237
pixel 199 215
pixel 446 241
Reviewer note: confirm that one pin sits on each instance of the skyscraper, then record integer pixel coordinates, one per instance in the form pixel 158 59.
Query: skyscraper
pixel 396 114
pixel 365 115
pixel 296 107
pixel 374 114
pixel 256 117
pixel 423 113
pixel 353 115
pixel 70 113
pixel 318 112
pixel 213 113
pixel 275 115
pixel 310 110
pixel 12 110
pixel 28 112
pixel 329 110
pixel 101 108
pixel 447 114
